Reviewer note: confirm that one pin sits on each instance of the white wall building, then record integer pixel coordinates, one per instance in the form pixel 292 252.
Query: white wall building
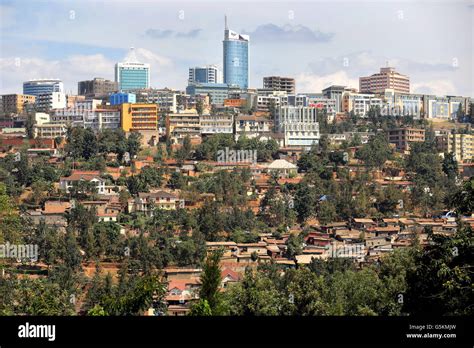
pixel 214 124
pixel 42 118
pixel 205 74
pixel 49 101
pixel 88 114
pixel 299 125
pixel 324 104
pixel 360 103
pixel 49 130
pixel 252 126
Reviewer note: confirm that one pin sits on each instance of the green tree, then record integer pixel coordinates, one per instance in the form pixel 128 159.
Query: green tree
pixel 442 282
pixel 211 282
pixel 326 212
pixel 134 144
pixel 463 199
pixel 376 152
pixel 272 109
pixel 29 125
pixel 201 309
pixel 199 106
pixel 304 291
pixel 450 166
pixel 294 246
pixel 256 294
pixel 150 177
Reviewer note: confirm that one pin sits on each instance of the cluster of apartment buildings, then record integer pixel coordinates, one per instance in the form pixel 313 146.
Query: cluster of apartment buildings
pixel 230 107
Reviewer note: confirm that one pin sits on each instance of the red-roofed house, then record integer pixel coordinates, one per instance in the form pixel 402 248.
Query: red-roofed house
pixel 81 175
pixel 228 276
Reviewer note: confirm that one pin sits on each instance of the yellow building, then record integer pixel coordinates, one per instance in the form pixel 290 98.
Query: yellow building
pixel 462 145
pixel 14 103
pixel 139 117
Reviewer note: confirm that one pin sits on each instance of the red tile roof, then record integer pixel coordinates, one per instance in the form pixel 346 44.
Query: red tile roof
pixel 77 175
pixel 228 272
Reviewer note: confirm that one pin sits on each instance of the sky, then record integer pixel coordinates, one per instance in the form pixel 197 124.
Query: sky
pixel 319 43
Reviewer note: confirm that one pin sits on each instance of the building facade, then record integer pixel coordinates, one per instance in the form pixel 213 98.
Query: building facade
pixel 217 123
pixel 42 86
pixel 462 146
pixel 15 103
pixel 182 124
pixel 298 124
pixel 279 83
pixel 120 98
pixel 402 104
pixel 360 103
pixel 98 87
pixel 88 114
pixel 131 74
pixel 147 203
pixel 68 182
pixel 139 117
pixel 402 137
pixel 252 126
pixel 49 101
pixel 436 107
pixel 236 58
pixel 336 92
pixel 387 78
pixel 205 74
pixel 218 92
pixel 326 104
pixel 165 99
pixel 49 130
pixel 71 100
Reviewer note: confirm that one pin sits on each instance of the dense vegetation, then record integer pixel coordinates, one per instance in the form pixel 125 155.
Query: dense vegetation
pixel 436 279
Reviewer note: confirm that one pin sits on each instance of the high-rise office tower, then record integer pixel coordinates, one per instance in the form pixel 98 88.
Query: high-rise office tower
pixel 204 74
pixel 236 58
pixel 42 86
pixel 132 74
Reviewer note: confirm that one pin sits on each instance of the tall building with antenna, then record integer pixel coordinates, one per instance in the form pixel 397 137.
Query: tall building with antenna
pixel 131 74
pixel 236 58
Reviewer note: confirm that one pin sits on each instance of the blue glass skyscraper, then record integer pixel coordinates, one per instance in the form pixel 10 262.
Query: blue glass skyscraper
pixel 236 58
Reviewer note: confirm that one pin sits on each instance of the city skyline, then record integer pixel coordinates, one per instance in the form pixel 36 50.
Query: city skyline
pixel 317 48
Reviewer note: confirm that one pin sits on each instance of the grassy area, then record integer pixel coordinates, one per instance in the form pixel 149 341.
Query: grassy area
pixel 443 124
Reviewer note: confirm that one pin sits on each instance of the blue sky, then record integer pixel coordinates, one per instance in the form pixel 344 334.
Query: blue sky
pixel 317 42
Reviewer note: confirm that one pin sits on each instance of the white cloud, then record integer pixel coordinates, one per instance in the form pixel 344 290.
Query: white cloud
pixel 436 87
pixel 70 70
pixel 156 61
pixel 316 83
